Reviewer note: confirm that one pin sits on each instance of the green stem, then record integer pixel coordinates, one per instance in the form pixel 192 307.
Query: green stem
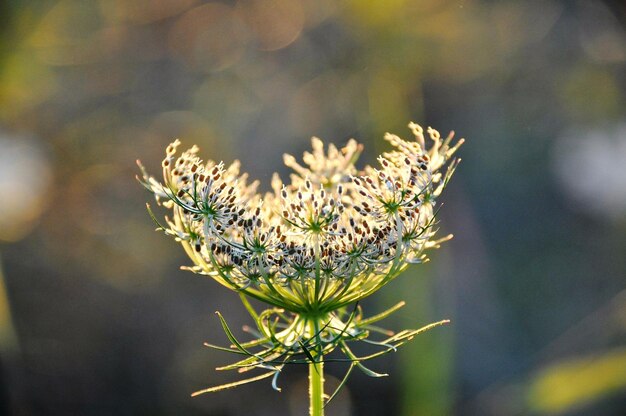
pixel 316 388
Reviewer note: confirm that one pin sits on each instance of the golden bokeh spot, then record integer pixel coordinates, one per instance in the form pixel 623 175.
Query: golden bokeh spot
pixel 575 382
pixel 276 23
pixel 143 11
pixel 210 37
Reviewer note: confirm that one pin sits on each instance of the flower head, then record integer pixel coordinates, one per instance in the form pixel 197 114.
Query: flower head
pixel 314 246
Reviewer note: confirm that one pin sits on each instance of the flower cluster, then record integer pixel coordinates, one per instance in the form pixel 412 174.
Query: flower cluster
pixel 328 238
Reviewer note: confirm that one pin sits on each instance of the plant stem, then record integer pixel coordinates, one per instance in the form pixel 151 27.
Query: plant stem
pixel 316 388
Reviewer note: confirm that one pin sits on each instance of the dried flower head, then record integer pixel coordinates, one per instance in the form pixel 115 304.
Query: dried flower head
pixel 312 248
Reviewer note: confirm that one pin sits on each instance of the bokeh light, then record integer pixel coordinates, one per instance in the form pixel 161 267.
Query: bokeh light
pixel 25 179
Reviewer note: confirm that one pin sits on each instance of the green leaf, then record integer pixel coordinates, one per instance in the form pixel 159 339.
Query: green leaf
pixel 358 363
pixel 230 335
pixel 383 314
pixel 234 384
pixel 154 218
pixel 343 382
pixel 306 352
pixel 217 347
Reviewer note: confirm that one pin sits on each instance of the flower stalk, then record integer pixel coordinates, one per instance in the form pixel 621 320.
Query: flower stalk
pixel 311 249
pixel 316 388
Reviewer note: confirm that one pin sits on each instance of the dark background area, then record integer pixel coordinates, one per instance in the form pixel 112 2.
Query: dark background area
pixel 97 319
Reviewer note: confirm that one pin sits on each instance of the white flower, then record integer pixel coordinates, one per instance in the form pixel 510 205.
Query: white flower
pixel 330 237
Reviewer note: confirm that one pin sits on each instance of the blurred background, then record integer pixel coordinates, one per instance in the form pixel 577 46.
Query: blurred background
pixel 97 319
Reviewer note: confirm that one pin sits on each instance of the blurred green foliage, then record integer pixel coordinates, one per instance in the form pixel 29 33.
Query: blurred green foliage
pixel 105 323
